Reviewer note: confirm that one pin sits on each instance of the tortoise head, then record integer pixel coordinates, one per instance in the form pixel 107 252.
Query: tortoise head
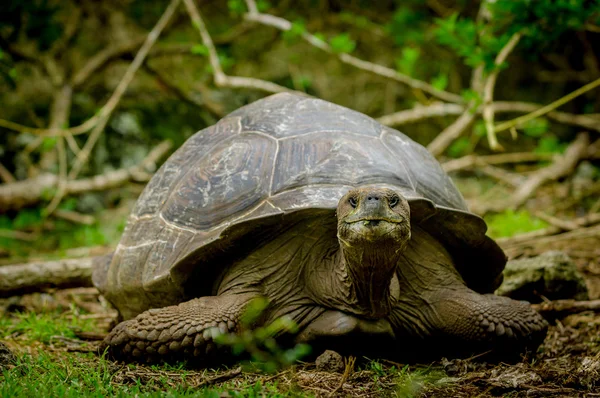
pixel 373 229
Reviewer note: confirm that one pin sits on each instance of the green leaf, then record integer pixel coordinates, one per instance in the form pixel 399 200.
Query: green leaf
pixel 550 144
pixel 199 49
pixel 460 147
pixel 408 60
pixel 254 310
pixel 263 5
pixel 236 7
pixel 295 32
pixel 440 81
pixel 48 143
pixel 342 43
pixel 536 127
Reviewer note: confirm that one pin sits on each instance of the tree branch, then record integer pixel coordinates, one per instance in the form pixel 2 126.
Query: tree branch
pixel 103 58
pixel 285 25
pixel 547 108
pixel 441 109
pixel 488 91
pixel 471 161
pixel 28 192
pixel 220 78
pixel 121 88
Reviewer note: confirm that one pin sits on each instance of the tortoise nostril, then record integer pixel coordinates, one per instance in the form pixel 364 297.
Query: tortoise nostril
pixel 373 198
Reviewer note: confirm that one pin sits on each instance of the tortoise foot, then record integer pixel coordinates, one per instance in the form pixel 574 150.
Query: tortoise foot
pixel 185 331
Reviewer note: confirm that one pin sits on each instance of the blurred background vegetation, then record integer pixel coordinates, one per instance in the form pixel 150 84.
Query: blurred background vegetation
pixel 61 61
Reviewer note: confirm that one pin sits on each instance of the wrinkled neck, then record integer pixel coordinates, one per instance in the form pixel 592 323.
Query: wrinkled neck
pixel 368 272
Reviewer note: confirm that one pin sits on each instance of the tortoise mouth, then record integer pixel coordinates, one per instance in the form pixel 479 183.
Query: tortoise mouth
pixel 374 220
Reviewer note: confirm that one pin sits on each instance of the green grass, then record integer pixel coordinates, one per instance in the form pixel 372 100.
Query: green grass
pixel 510 222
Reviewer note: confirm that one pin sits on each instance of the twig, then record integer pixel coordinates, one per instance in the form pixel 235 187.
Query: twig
pixel 221 79
pixel 6 175
pixel 102 58
pixel 18 235
pixel 219 378
pixel 488 91
pixel 347 371
pixel 451 133
pixel 440 109
pixel 565 225
pixel 62 177
pixel 455 130
pixel 562 166
pixel 122 87
pixel 545 109
pixel 285 25
pixel 561 308
pixel 512 179
pixel 547 235
pixel 214 108
pixel 420 113
pixel 470 161
pixel 75 217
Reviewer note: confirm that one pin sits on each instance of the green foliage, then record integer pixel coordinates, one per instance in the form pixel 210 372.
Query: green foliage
pixel 536 127
pixel 199 49
pixel 440 81
pixel 261 342
pixel 407 61
pixel 550 144
pixel 48 143
pixel 342 43
pixel 543 21
pixel 510 222
pixel 295 32
pixel 412 384
pixel 408 25
pixel 460 147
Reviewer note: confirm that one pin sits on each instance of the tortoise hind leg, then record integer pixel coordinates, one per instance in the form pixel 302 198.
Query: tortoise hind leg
pixel 183 331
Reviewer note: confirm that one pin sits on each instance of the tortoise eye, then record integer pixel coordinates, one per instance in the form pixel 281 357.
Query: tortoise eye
pixel 352 201
pixel 394 201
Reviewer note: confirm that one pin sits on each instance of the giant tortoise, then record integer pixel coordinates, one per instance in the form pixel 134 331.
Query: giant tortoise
pixel 346 226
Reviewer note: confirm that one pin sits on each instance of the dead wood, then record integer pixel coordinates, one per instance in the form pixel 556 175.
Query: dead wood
pixel 549 235
pixel 561 166
pixel 30 277
pixel 561 308
pixel 474 161
pixel 31 191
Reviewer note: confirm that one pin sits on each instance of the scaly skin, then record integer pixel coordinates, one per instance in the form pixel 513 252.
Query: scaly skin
pixel 183 331
pixel 435 309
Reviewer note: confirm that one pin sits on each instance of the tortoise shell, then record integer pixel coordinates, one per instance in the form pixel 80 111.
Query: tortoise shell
pixel 261 167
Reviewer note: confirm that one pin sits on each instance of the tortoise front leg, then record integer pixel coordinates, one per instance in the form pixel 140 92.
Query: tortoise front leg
pixel 183 331
pixel 459 321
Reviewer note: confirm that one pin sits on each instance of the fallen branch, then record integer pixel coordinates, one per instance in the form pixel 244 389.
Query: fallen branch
pixel 560 308
pixel 548 235
pixel 561 167
pixel 23 193
pixel 24 278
